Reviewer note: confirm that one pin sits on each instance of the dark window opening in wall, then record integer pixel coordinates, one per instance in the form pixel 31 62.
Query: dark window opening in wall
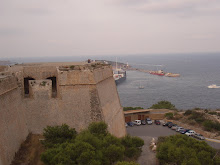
pixel 54 86
pixel 26 86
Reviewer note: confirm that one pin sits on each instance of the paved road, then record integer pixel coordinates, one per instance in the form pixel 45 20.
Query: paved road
pixel 147 132
pixel 155 131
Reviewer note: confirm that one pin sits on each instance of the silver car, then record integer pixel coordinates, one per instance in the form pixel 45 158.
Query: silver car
pixel 198 136
pixel 178 129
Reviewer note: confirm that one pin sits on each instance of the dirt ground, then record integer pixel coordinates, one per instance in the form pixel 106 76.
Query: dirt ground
pixel 29 152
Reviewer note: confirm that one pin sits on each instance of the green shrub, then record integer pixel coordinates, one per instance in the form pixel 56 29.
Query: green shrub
pixel 57 135
pixel 213 113
pixel 188 112
pixel 98 129
pixel 93 146
pixel 211 125
pixel 132 152
pixel 181 149
pixel 169 115
pixel 163 105
pixel 197 116
pixel 72 67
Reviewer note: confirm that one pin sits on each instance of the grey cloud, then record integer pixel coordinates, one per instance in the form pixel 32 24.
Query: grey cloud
pixel 35 11
pixel 174 6
pixel 7 32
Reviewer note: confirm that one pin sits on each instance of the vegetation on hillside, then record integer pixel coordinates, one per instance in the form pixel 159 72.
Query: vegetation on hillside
pixel 131 108
pixel 199 117
pixel 93 146
pixel 163 105
pixel 169 115
pixel 184 150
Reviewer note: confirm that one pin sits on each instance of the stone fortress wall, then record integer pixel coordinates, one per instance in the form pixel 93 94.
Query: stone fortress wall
pixel 33 96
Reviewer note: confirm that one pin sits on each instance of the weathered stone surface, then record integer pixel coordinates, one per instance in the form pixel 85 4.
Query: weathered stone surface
pixel 84 93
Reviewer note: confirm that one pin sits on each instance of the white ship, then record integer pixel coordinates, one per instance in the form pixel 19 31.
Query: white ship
pixel 213 86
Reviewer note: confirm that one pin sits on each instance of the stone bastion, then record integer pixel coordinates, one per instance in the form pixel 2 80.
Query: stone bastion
pixel 33 96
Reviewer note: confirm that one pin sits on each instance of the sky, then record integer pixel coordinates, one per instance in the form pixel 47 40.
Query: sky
pixel 47 28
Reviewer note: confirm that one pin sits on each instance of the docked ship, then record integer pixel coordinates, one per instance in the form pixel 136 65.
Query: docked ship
pixel 162 73
pixel 119 76
pixel 159 72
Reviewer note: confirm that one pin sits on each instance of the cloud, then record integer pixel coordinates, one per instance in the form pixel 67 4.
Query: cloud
pixel 174 6
pixel 9 31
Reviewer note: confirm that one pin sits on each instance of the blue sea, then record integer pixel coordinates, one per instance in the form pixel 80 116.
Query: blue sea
pixel 186 92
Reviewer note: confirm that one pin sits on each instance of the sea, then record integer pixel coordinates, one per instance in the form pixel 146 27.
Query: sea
pixel 189 91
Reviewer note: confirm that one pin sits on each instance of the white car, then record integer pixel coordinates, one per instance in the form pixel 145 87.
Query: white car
pixel 190 133
pixel 148 120
pixel 137 122
pixel 174 127
pixel 178 129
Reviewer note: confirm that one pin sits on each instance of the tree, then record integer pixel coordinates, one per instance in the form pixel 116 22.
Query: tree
pixel 163 105
pixel 58 134
pixel 98 129
pixel 92 146
pixel 114 153
pixel 171 150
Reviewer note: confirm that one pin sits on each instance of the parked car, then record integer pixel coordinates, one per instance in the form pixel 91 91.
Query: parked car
pixel 171 125
pixel 157 122
pixel 166 124
pixel 148 120
pixel 143 122
pixel 131 124
pixel 178 129
pixel 190 133
pixel 184 131
pixel 198 136
pixel 126 125
pixel 137 122
pixel 174 127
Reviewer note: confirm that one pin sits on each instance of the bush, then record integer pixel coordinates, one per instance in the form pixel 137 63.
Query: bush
pixel 169 115
pixel 94 146
pixel 210 125
pixel 132 145
pixel 181 149
pixel 163 105
pixel 213 113
pixel 188 112
pixel 57 135
pixel 197 116
pixel 98 129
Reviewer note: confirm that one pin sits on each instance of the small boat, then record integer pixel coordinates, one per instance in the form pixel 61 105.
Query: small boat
pixel 141 86
pixel 213 86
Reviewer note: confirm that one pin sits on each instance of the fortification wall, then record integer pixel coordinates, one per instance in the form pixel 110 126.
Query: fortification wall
pixel 111 107
pixel 13 126
pixel 84 95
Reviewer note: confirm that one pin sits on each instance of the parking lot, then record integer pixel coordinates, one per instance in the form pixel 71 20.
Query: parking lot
pixel 147 132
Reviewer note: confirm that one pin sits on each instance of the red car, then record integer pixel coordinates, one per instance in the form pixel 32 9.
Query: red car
pixel 157 122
